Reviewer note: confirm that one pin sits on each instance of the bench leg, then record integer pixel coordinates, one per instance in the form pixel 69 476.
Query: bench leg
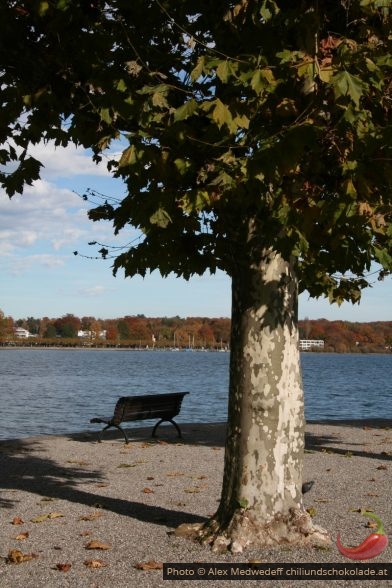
pixel 168 421
pixel 117 427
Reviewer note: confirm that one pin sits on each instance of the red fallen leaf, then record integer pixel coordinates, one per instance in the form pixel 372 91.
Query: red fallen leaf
pixel 63 567
pixel 97 545
pixel 148 491
pixel 17 521
pixel 94 563
pixel 149 565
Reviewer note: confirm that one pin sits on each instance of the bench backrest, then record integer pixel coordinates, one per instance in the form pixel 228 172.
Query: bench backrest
pixel 149 406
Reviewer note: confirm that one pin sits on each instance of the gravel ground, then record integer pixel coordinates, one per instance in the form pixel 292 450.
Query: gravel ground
pixel 62 494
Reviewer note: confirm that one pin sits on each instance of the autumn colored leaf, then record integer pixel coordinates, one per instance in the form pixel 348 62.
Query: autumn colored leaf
pixel 17 521
pixel 22 536
pixel 63 567
pixel 94 563
pixel 149 565
pixel 174 474
pixel 382 467
pixel 97 545
pixel 148 491
pixel 15 556
pixel 44 517
pixel 91 517
pixel 371 524
pixel 312 511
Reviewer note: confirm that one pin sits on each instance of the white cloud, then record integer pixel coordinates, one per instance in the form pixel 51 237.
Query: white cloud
pixel 94 291
pixel 21 264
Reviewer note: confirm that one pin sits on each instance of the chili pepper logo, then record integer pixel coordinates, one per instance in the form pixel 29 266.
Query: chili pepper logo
pixel 372 546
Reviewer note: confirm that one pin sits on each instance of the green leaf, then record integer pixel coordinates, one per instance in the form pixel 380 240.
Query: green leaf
pixel 221 114
pixel 198 70
pixel 128 157
pixel 105 115
pixel 186 110
pixel 263 79
pixel 224 70
pixel 243 503
pixel 345 84
pixel 160 218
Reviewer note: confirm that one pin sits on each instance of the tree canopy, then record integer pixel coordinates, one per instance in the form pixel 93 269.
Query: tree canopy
pixel 229 113
pixel 255 138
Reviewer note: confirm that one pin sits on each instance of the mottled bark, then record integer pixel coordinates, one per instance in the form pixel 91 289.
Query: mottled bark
pixel 261 501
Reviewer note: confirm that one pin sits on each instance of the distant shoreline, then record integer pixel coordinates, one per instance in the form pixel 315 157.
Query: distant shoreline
pixel 171 349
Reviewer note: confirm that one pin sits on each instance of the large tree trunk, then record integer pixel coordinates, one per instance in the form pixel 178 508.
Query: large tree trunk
pixel 261 501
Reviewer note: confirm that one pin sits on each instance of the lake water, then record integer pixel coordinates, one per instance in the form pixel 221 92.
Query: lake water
pixel 45 391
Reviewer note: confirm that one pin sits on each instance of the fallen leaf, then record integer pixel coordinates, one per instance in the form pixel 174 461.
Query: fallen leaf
pixel 63 567
pixel 91 517
pixel 372 494
pixel 16 556
pixel 150 478
pixel 174 474
pixel 312 511
pixel 371 525
pixel 17 521
pixel 97 545
pixel 149 565
pixel 44 517
pixel 382 467
pixel 22 536
pixel 192 490
pixel 94 563
pixel 47 499
pixel 148 491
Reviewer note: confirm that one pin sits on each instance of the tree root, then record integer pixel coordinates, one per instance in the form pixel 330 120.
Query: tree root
pixel 245 530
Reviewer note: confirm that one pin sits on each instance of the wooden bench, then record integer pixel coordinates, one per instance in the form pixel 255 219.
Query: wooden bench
pixel 137 408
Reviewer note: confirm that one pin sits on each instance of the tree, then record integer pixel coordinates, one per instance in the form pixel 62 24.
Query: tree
pixel 67 326
pixel 257 141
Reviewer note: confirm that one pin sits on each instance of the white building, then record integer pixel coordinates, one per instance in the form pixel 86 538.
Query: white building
pixel 21 333
pixel 308 344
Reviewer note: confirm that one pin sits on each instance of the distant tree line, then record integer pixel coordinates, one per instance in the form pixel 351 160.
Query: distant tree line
pixel 195 332
pixel 134 331
pixel 349 337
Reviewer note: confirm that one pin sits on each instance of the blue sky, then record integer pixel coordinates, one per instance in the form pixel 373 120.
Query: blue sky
pixel 41 276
